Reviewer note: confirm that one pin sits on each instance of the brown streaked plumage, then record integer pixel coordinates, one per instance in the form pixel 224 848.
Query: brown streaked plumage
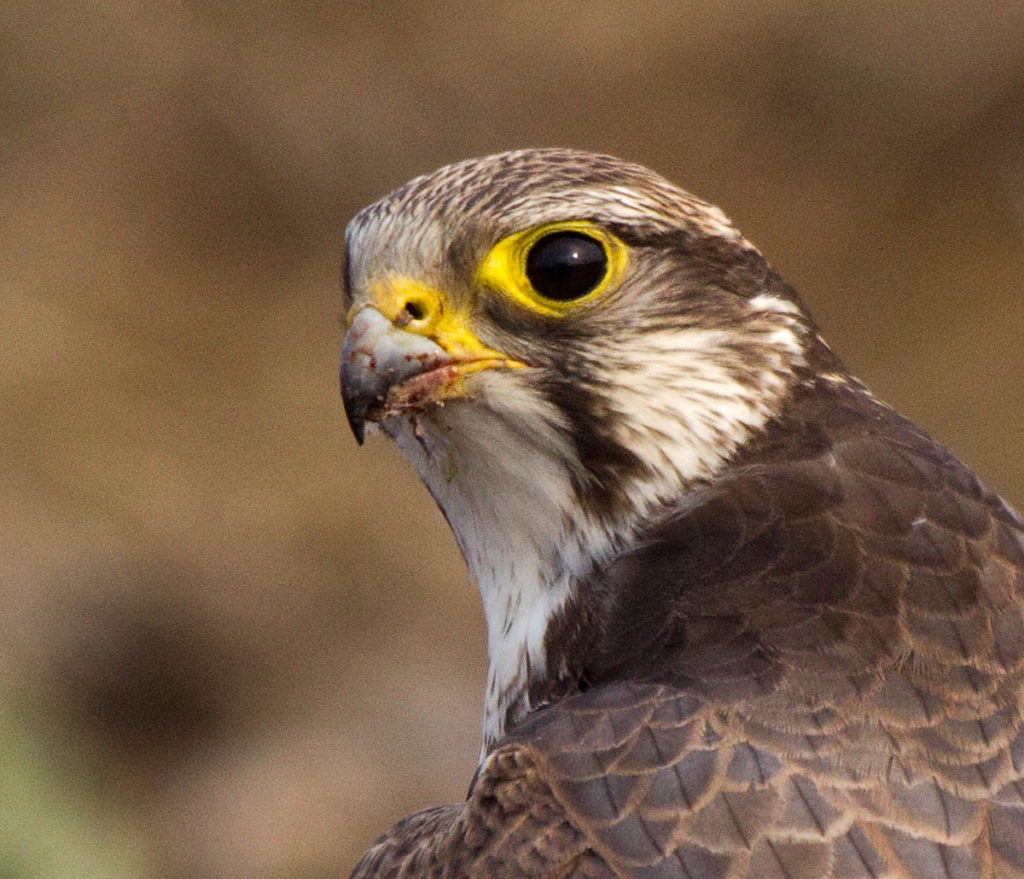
pixel 744 619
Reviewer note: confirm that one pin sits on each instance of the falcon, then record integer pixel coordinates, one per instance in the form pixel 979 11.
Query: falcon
pixel 743 619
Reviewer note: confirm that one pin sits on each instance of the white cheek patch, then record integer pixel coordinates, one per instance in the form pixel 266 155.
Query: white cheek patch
pixel 682 411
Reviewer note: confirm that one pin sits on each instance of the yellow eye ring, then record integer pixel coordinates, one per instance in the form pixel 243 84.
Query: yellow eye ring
pixel 508 266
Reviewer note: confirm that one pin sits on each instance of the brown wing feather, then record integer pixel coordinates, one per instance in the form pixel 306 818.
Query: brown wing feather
pixel 812 670
pixel 512 825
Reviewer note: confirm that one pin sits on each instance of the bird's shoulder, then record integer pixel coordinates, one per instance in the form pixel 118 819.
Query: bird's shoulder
pixel 642 780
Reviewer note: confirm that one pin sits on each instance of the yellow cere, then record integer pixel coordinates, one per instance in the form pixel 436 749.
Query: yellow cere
pixel 418 308
pixel 504 268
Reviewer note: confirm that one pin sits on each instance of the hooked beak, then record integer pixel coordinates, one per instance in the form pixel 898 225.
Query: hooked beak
pixel 388 369
pixel 376 358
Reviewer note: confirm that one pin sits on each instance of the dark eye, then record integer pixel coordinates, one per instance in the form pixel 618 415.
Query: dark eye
pixel 566 265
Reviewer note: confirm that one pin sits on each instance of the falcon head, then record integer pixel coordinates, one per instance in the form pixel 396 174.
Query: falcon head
pixel 562 344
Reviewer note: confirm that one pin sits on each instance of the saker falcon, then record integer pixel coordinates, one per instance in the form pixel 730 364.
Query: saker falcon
pixel 743 619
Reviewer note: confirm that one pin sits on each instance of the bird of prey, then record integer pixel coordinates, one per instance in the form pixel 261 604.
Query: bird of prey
pixel 743 619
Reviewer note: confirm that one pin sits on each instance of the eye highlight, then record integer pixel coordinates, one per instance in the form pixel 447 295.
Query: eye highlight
pixel 553 268
pixel 566 265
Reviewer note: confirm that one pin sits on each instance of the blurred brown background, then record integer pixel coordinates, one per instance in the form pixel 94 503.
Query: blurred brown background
pixel 234 645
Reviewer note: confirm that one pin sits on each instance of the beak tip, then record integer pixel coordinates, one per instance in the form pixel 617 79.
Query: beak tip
pixel 376 357
pixel 356 415
pixel 355 412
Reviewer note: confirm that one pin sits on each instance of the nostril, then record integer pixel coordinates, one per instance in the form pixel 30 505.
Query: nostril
pixel 415 309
